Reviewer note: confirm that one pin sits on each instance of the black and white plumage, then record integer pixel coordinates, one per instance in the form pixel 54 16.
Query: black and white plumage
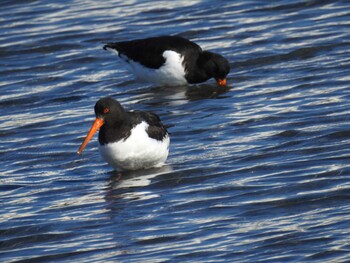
pixel 128 140
pixel 170 61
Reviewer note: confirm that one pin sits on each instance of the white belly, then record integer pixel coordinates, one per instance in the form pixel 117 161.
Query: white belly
pixel 138 151
pixel 171 73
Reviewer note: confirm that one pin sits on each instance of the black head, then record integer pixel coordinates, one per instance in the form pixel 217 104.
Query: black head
pixel 109 110
pixel 215 65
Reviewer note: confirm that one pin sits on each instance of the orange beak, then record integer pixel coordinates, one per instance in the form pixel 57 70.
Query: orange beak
pixel 95 127
pixel 221 82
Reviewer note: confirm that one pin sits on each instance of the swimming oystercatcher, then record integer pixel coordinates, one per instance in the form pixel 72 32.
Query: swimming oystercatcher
pixel 128 140
pixel 170 61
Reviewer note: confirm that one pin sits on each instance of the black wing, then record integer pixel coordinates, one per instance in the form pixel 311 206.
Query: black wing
pixel 156 128
pixel 149 51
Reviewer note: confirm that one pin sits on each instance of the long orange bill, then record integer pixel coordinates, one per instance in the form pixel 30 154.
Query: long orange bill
pixel 94 128
pixel 221 82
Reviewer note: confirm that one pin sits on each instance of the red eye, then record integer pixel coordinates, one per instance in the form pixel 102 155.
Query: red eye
pixel 106 110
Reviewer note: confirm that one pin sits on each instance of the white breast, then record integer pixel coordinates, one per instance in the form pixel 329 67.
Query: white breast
pixel 137 151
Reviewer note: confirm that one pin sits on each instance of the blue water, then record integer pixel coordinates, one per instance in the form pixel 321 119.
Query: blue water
pixel 257 172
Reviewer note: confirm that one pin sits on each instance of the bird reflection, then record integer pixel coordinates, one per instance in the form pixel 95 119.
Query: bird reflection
pixel 130 184
pixel 205 91
pixel 189 93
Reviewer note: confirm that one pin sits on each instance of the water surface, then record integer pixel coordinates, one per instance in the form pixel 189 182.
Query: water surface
pixel 257 171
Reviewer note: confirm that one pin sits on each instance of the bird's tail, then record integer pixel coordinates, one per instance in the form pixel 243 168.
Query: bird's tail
pixel 109 46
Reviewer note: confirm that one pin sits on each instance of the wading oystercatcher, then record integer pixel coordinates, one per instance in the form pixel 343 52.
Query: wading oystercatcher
pixel 128 140
pixel 170 61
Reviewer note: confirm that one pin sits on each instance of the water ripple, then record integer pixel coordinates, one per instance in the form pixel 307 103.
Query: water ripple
pixel 257 172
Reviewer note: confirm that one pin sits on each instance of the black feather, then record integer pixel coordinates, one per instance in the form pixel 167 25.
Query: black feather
pixel 149 52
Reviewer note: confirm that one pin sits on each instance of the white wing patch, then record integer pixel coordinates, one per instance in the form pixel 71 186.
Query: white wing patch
pixel 114 51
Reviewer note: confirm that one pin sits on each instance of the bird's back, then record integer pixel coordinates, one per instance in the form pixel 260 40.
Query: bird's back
pixel 149 52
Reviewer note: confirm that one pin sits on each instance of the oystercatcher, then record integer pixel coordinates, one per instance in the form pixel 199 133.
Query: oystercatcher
pixel 128 140
pixel 170 61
